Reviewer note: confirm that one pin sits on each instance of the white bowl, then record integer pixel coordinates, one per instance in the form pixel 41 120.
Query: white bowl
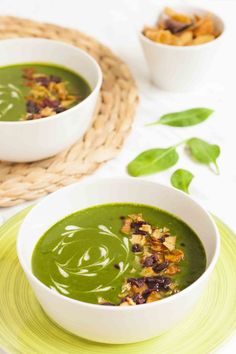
pixel 33 140
pixel 109 324
pixel 181 68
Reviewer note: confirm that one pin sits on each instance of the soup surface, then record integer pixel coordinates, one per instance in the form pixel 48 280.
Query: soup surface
pixel 119 254
pixel 37 90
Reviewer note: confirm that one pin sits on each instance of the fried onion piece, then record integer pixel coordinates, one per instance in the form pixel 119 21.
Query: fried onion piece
pixel 170 242
pixel 126 228
pixel 172 269
pixel 175 256
pixel 154 296
pixel 177 16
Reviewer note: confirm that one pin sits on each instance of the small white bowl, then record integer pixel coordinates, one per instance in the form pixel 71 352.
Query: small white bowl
pixel 33 140
pixel 109 324
pixel 181 68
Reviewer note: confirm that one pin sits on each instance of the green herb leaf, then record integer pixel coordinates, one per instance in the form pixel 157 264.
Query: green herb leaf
pixel 181 179
pixel 204 152
pixel 185 118
pixel 152 161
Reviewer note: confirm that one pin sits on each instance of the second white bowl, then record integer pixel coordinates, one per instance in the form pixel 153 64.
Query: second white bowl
pixel 27 141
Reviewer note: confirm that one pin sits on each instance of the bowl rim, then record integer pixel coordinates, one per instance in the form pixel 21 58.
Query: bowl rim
pixel 171 298
pixel 66 46
pixel 190 47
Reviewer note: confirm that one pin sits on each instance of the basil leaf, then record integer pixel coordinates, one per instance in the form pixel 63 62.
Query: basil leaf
pixel 204 152
pixel 181 179
pixel 185 118
pixel 152 161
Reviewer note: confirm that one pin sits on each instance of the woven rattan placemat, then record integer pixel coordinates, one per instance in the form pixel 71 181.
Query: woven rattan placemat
pixel 112 120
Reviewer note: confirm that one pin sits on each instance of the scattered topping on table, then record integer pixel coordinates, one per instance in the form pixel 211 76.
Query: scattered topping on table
pixel 180 29
pixel 156 253
pixel 48 95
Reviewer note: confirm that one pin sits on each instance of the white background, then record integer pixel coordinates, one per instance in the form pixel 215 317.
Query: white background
pixel 116 23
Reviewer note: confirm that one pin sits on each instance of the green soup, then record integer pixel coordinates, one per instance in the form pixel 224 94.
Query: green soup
pixel 86 256
pixel 37 90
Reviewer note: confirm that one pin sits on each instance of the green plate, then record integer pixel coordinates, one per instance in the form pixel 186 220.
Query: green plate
pixel 24 328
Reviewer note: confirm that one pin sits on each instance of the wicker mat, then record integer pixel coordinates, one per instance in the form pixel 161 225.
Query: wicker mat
pixel 112 120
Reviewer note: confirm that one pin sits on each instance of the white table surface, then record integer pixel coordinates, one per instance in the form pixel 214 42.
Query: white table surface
pixel 115 23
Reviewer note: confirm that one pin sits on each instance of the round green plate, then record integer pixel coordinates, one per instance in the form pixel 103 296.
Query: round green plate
pixel 24 328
